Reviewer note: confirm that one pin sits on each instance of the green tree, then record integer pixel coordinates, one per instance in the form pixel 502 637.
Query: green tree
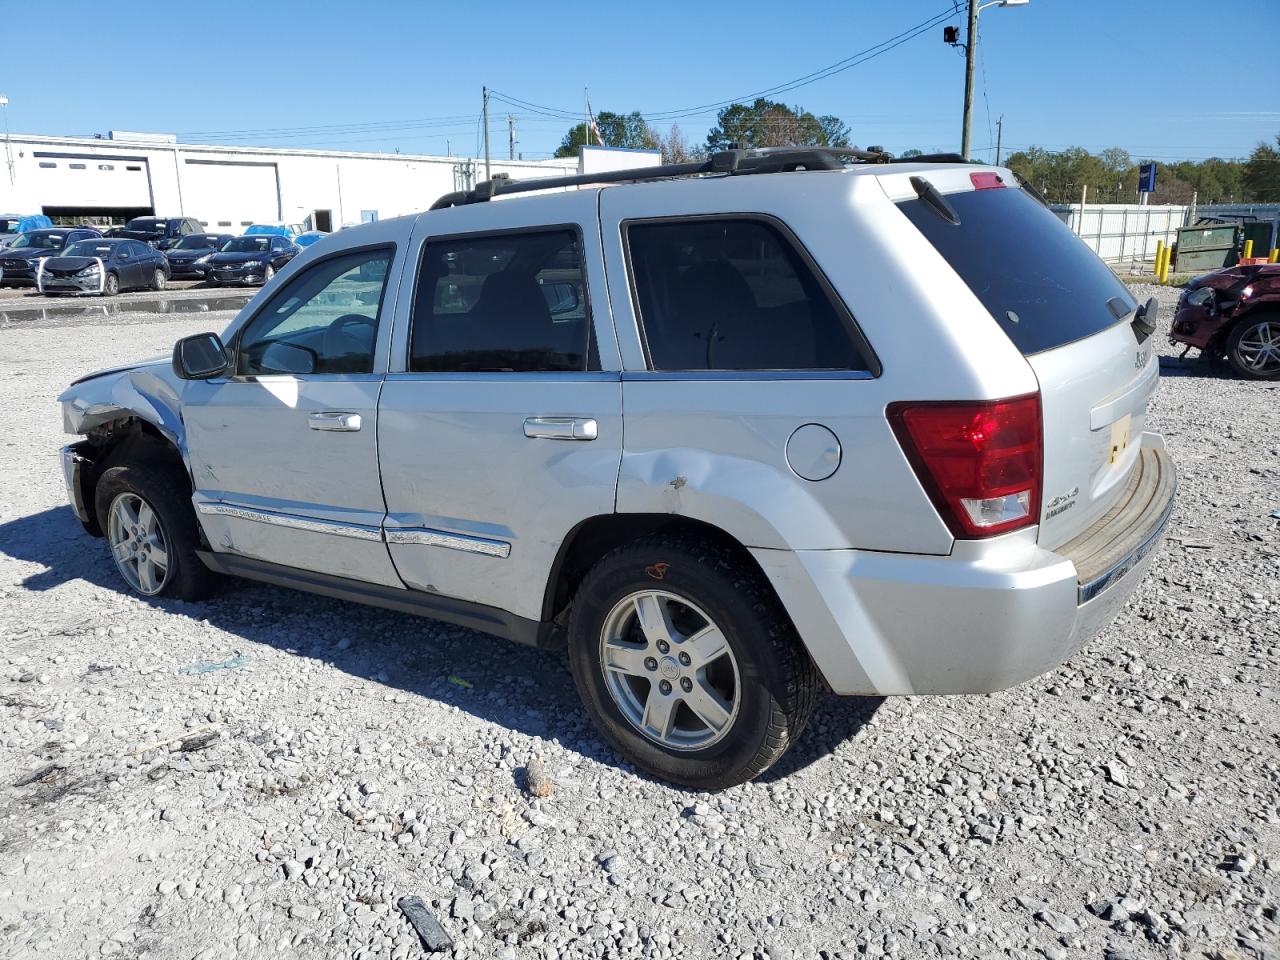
pixel 617 129
pixel 1262 173
pixel 767 123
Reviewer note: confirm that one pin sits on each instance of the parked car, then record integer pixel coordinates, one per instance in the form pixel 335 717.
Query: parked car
pixel 12 225
pixel 877 426
pixel 161 232
pixel 271 230
pixel 306 239
pixel 1234 312
pixel 19 260
pixel 187 257
pixel 252 260
pixel 107 266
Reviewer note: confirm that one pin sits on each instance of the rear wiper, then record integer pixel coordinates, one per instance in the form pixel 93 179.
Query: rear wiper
pixel 934 200
pixel 1144 320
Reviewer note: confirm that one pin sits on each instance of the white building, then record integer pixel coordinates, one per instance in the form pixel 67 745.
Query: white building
pixel 228 188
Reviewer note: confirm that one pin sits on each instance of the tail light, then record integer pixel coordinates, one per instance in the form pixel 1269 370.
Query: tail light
pixel 981 463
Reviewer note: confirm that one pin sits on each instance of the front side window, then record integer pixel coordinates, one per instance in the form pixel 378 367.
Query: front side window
pixel 734 294
pixel 325 320
pixel 512 302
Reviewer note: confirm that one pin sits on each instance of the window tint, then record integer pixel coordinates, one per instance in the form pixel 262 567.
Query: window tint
pixel 330 311
pixel 725 294
pixel 511 302
pixel 1041 283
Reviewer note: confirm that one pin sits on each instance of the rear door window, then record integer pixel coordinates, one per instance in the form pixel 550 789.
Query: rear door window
pixel 1039 281
pixel 728 293
pixel 510 302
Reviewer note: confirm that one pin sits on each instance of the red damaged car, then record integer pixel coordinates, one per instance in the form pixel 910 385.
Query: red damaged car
pixel 1234 312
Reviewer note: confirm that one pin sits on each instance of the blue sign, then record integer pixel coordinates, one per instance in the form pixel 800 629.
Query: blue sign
pixel 1147 178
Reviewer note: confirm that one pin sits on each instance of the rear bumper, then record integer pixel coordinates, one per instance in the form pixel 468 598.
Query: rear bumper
pixel 992 614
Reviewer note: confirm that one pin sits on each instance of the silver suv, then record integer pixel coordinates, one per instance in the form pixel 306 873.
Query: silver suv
pixel 732 431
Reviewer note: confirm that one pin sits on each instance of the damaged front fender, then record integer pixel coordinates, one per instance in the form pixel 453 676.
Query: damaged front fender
pixel 148 392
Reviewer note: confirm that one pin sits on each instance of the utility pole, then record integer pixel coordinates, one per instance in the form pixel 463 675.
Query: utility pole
pixel 999 137
pixel 8 148
pixel 970 59
pixel 485 114
pixel 511 137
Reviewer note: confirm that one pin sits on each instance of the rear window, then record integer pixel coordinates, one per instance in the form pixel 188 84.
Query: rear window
pixel 1041 283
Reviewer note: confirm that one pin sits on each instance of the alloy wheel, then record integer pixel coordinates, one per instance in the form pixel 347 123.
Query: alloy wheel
pixel 670 670
pixel 1259 347
pixel 138 544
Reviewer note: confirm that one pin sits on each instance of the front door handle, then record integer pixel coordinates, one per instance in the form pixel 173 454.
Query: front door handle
pixel 336 420
pixel 560 428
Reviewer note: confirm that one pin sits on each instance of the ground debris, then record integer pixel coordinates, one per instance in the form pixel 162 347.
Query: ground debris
pixel 537 782
pixel 39 774
pixel 433 936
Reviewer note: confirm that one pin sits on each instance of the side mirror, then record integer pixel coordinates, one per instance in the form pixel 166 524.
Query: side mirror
pixel 281 357
pixel 200 357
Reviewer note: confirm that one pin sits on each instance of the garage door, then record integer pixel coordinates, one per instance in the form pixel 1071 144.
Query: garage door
pixel 228 196
pixel 85 181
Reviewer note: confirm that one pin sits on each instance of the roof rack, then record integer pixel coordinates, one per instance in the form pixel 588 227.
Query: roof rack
pixel 733 162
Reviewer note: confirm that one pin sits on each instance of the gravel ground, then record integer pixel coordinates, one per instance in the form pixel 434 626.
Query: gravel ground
pixel 268 773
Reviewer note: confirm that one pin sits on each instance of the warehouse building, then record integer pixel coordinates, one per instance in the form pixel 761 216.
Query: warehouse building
pixel 124 175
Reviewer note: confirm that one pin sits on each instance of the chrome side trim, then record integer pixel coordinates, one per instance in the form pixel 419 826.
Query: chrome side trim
pixel 1087 591
pixel 355 531
pixel 425 536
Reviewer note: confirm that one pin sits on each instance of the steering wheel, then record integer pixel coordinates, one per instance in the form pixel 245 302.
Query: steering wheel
pixel 348 338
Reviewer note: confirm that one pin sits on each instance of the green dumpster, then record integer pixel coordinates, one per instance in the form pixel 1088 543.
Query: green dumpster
pixel 1259 231
pixel 1205 248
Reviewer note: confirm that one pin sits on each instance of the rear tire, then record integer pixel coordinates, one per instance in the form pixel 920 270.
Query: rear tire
pixel 110 285
pixel 1253 346
pixel 724 696
pixel 145 511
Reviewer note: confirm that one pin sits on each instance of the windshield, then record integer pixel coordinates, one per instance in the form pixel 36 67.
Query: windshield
pixel 89 248
pixel 38 241
pixel 1041 283
pixel 196 241
pixel 247 245
pixel 145 225
pixel 9 224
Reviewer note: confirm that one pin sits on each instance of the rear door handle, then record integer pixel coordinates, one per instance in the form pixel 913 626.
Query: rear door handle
pixel 336 420
pixel 560 428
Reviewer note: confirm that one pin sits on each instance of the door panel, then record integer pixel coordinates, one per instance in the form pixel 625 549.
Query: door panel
pixel 286 465
pixel 477 507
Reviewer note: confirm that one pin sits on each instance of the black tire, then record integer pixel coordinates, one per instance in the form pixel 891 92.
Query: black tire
pixel 159 280
pixel 777 681
pixel 166 491
pixel 110 285
pixel 268 274
pixel 1253 327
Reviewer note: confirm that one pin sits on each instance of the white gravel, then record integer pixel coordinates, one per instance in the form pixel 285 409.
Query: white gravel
pixel 1125 805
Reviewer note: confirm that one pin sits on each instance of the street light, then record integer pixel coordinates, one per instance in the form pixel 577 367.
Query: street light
pixel 970 59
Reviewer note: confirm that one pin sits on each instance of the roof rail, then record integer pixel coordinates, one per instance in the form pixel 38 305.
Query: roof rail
pixel 733 162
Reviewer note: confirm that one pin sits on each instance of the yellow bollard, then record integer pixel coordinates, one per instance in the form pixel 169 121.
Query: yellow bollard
pixel 1275 255
pixel 1248 249
pixel 1159 256
pixel 1164 266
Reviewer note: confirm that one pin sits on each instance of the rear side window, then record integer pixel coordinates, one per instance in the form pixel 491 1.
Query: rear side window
pixel 511 302
pixel 1041 283
pixel 734 294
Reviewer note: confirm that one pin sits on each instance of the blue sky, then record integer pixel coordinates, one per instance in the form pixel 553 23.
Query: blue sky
pixel 1149 77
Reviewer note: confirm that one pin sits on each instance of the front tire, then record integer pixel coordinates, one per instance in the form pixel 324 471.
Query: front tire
pixel 145 511
pixel 110 285
pixel 268 274
pixel 159 280
pixel 687 663
pixel 1253 347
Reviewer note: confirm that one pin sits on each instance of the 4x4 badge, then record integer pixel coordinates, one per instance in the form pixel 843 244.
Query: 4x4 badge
pixel 1061 503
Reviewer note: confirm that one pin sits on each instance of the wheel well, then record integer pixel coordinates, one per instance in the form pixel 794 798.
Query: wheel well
pixel 594 537
pixel 126 439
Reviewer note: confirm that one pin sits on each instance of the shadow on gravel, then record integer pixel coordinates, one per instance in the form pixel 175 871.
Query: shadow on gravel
pixel 1207 368
pixel 522 689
